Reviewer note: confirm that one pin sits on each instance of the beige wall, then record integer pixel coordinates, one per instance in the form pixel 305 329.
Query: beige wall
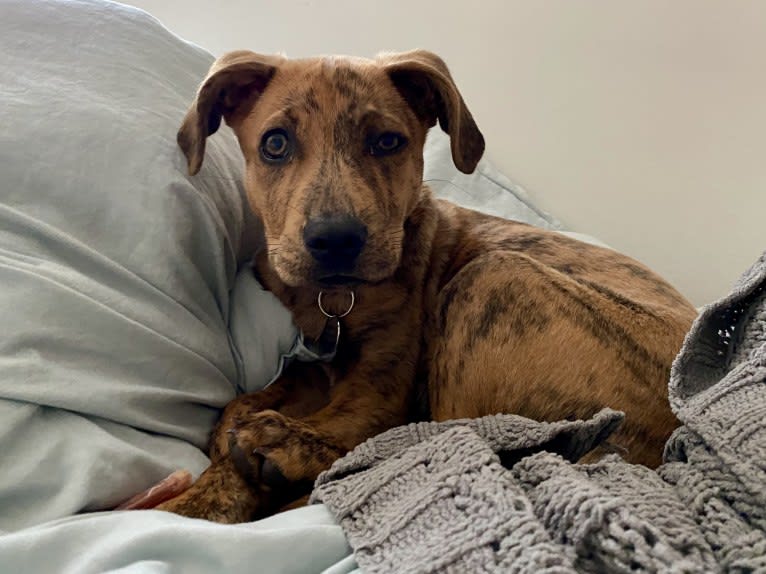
pixel 641 122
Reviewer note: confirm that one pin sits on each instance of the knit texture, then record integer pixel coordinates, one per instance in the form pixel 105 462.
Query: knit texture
pixel 502 493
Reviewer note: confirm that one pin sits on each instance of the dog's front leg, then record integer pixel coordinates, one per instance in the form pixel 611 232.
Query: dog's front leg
pixel 222 493
pixel 231 489
pixel 297 450
pixel 266 460
pixel 271 460
pixel 286 454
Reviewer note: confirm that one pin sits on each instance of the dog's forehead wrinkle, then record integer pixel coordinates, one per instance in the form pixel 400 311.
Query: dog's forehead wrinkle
pixel 331 64
pixel 337 86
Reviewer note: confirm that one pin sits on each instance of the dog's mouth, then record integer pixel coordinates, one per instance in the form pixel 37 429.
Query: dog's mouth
pixel 329 281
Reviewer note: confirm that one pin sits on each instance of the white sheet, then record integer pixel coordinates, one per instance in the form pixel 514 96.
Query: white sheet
pixel 303 541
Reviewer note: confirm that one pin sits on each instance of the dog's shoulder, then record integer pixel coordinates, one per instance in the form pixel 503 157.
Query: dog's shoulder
pixel 469 235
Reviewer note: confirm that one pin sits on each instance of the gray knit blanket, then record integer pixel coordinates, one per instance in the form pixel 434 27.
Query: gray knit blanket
pixel 503 494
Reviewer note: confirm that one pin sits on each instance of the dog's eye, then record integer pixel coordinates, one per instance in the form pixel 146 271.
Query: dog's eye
pixel 275 146
pixel 387 143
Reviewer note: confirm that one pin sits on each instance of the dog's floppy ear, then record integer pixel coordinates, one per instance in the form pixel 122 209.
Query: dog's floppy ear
pixel 234 79
pixel 423 79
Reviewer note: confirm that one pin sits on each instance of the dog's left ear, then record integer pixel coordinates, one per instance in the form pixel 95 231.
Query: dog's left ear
pixel 234 82
pixel 424 81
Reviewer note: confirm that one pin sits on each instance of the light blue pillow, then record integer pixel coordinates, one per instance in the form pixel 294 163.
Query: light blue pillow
pixel 115 266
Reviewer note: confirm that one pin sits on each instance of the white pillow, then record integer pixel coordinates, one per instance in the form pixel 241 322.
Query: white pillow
pixel 115 266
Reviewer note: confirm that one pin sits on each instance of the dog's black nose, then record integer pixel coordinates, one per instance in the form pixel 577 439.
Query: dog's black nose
pixel 335 242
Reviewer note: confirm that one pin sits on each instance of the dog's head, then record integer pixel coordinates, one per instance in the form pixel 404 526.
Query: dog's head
pixel 334 153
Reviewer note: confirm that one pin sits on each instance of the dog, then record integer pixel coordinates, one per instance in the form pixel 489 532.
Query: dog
pixel 423 309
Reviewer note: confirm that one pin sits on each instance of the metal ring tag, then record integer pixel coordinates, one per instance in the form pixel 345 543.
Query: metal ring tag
pixel 326 314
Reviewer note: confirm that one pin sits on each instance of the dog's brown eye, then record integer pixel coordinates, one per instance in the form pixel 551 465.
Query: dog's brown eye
pixel 275 146
pixel 387 143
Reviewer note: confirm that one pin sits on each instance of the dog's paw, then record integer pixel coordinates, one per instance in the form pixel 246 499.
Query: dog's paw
pixel 265 429
pixel 279 452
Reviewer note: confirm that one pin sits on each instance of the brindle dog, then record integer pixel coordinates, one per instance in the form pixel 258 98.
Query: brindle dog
pixel 483 315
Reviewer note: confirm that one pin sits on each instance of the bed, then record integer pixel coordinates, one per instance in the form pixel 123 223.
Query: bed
pixel 130 317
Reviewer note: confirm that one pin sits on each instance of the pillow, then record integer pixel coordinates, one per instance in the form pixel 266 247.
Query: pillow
pixel 486 189
pixel 115 266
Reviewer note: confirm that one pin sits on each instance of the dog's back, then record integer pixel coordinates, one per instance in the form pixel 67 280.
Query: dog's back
pixel 532 322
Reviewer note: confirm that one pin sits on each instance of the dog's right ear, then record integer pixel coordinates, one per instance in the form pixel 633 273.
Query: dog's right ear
pixel 236 79
pixel 423 79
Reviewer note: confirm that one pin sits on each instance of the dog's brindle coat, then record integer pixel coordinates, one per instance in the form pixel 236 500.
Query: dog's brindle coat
pixel 481 314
